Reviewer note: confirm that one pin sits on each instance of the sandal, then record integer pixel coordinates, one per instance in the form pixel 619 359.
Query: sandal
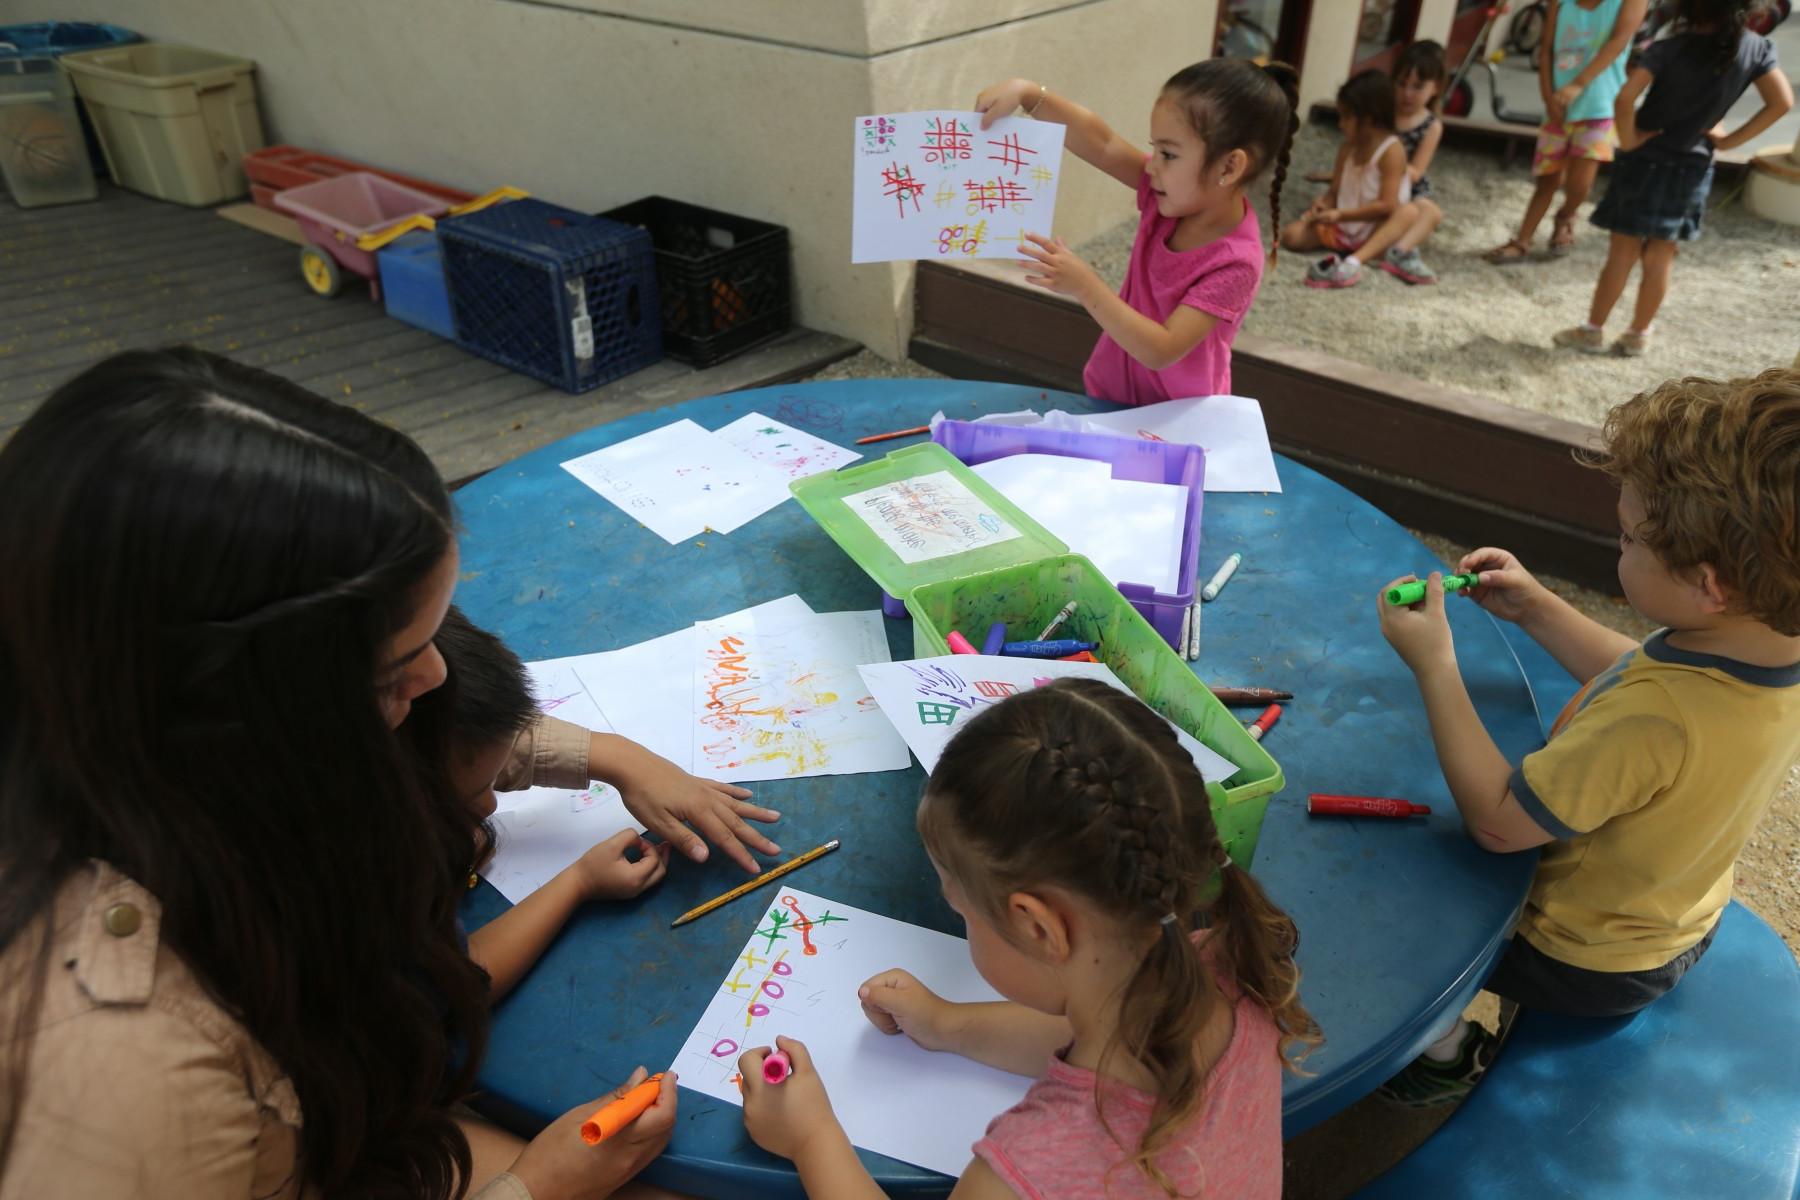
pixel 1562 242
pixel 1510 254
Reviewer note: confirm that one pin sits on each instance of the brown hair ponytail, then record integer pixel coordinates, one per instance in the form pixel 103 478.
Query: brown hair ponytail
pixel 1236 105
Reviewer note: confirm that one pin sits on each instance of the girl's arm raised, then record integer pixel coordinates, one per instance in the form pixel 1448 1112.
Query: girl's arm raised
pixel 1057 268
pixel 1088 137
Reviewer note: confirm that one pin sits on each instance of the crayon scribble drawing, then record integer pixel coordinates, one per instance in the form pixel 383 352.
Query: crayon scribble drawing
pixel 777 695
pixel 930 516
pixel 792 452
pixel 797 976
pixel 936 185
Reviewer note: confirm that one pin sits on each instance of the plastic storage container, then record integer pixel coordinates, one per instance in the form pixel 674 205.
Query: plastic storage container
pixel 333 213
pixel 174 122
pixel 552 293
pixel 1023 581
pixel 1132 458
pixel 412 283
pixel 43 154
pixel 724 280
pixel 274 169
pixel 51 39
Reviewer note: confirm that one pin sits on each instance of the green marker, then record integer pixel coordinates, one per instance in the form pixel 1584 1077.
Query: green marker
pixel 1412 593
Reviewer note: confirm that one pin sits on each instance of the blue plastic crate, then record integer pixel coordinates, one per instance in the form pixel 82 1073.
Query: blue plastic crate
pixel 52 39
pixel 552 293
pixel 412 283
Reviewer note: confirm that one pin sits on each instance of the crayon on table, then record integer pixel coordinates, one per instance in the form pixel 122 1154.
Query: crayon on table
pixel 1222 576
pixel 959 644
pixel 1412 593
pixel 616 1114
pixel 996 637
pixel 897 433
pixel 777 1067
pixel 1056 622
pixel 1056 648
pixel 1246 696
pixel 1261 725
pixel 1324 804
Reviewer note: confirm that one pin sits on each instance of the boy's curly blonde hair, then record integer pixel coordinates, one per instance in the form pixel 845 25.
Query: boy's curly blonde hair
pixel 1717 466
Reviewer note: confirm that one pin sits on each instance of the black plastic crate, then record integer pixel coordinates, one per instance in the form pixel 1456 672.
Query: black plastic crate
pixel 552 293
pixel 724 279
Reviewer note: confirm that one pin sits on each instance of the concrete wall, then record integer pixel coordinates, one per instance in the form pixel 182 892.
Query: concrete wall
pixel 745 106
pixel 1330 41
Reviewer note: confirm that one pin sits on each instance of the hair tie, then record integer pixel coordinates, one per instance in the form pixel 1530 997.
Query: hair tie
pixel 1169 920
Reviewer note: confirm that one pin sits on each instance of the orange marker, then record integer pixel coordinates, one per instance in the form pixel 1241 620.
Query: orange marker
pixel 1080 656
pixel 615 1115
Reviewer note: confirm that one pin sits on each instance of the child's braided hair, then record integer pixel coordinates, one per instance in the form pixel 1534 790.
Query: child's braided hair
pixel 1236 105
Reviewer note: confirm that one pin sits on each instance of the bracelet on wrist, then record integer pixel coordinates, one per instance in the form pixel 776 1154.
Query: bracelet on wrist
pixel 1033 110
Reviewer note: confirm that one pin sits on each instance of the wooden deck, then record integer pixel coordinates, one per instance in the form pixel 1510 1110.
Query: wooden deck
pixel 81 282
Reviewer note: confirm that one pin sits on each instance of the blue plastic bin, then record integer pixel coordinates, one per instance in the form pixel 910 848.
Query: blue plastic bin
pixel 412 283
pixel 51 39
pixel 552 293
pixel 1132 458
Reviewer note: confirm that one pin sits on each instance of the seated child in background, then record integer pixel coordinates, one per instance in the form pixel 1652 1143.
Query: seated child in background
pixel 1419 79
pixel 1581 67
pixel 1656 197
pixel 1151 985
pixel 482 731
pixel 1660 767
pixel 1367 208
pixel 1197 259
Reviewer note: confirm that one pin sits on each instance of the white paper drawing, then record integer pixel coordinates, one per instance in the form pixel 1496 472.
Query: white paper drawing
pixel 930 516
pixel 793 452
pixel 680 481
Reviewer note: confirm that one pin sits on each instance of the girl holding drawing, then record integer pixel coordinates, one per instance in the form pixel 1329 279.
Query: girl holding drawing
pixel 228 928
pixel 1151 984
pixel 1198 256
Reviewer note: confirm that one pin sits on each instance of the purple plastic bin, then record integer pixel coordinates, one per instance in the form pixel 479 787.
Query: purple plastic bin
pixel 1136 459
pixel 334 212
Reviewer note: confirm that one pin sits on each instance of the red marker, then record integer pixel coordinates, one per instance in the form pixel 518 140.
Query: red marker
pixel 1322 804
pixel 1261 725
pixel 959 644
pixel 776 1067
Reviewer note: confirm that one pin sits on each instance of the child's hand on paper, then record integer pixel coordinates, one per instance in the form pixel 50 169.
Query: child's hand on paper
pixel 1060 269
pixel 607 874
pixel 1002 98
pixel 558 1165
pixel 895 1002
pixel 785 1118
pixel 1507 589
pixel 668 801
pixel 1419 633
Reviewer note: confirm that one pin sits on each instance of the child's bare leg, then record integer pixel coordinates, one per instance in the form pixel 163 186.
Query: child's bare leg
pixel 1423 225
pixel 1542 193
pixel 1301 235
pixel 1388 232
pixel 1622 255
pixel 1578 181
pixel 1653 285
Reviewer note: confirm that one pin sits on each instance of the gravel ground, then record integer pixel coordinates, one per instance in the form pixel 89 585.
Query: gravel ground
pixel 1733 307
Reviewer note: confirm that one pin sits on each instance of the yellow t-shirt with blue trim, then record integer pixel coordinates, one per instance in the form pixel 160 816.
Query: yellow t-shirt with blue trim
pixel 1655 776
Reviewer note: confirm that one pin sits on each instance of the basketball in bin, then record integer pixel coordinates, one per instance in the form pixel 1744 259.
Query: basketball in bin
pixel 552 293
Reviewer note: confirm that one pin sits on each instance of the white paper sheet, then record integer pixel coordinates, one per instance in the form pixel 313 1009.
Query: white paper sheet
pixel 1129 529
pixel 643 692
pixel 797 977
pixel 928 699
pixel 776 695
pixel 930 516
pixel 936 185
pixel 680 481
pixel 793 452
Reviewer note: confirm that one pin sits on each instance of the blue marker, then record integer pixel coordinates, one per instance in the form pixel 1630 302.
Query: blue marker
pixel 996 637
pixel 1056 648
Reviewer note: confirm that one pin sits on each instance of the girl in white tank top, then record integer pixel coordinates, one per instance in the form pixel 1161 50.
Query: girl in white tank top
pixel 1361 184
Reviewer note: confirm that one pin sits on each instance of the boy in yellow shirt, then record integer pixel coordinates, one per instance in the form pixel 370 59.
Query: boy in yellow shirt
pixel 1660 767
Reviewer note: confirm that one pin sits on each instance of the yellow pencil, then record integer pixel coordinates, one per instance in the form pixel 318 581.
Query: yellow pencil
pixel 743 889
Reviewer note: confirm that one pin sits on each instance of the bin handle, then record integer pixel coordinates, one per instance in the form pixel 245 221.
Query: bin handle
pixel 375 241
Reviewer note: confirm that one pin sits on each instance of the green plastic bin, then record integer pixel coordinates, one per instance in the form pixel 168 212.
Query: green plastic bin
pixel 1025 580
pixel 174 122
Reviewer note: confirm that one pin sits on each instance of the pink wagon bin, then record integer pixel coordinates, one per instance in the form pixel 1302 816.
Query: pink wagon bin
pixel 344 220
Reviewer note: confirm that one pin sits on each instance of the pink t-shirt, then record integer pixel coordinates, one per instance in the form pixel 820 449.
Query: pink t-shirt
pixel 1220 278
pixel 1051 1145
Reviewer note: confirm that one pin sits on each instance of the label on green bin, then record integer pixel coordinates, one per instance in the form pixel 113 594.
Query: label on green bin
pixel 930 516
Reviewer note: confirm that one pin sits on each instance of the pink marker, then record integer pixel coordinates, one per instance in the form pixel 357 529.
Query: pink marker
pixel 776 1067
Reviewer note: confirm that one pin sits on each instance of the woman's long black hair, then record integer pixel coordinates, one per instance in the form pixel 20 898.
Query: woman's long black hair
pixel 201 568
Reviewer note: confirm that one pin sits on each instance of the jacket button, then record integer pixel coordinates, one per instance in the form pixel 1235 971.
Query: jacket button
pixel 122 920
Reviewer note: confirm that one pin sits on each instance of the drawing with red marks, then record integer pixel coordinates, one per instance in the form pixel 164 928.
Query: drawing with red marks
pixel 995 195
pixel 947 140
pixel 1012 154
pixel 898 184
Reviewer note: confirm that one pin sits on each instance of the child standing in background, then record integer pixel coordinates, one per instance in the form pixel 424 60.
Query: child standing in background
pixel 1367 208
pixel 1419 79
pixel 1152 991
pixel 1581 68
pixel 1656 197
pixel 1198 257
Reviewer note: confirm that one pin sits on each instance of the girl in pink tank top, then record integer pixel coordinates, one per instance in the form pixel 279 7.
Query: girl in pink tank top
pixel 1150 983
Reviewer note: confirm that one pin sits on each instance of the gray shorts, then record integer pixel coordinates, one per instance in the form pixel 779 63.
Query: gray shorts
pixel 1532 979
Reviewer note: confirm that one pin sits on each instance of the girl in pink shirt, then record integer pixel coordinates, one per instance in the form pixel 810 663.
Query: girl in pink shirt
pixel 1151 986
pixel 1198 256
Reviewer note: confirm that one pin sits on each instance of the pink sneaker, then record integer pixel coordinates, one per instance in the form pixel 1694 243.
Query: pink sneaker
pixel 1332 272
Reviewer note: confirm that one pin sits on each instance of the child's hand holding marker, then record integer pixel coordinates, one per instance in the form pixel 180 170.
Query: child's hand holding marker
pixel 561 1164
pixel 792 1118
pixel 1419 633
pixel 1507 590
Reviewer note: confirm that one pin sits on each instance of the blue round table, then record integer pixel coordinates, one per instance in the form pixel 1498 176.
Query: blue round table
pixel 1400 920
